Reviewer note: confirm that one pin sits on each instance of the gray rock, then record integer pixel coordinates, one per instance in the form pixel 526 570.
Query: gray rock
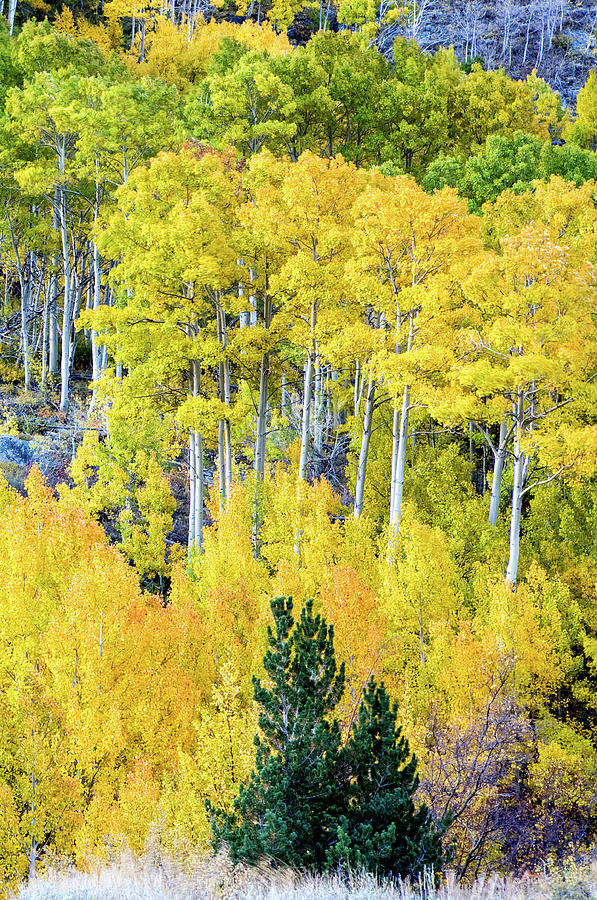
pixel 15 450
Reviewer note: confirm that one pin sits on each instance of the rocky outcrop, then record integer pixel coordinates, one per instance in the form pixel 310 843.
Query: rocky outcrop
pixel 555 37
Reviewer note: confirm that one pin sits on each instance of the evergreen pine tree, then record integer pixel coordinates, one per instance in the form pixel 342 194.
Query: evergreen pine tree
pixel 311 803
pixel 288 812
pixel 383 832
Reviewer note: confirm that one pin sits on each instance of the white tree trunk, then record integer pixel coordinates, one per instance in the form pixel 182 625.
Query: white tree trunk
pixel 399 452
pixel 252 300
pixel 286 403
pixel 318 413
pixel 44 339
pixel 396 508
pixel 12 11
pixel 308 393
pixel 364 452
pixel 195 541
pixel 68 308
pixel 498 469
pixel 224 434
pixel 395 442
pixel 357 381
pixel 96 350
pixel 221 464
pixel 262 410
pixel 308 389
pixel 53 366
pixel 25 290
pixel 520 464
pixel 263 403
pixel 243 317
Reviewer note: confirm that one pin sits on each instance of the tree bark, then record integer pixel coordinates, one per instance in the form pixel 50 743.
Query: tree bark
pixel 520 465
pixel 364 451
pixel 308 393
pixel 498 469
pixel 262 408
pixel 396 508
pixel 97 297
pixel 195 541
pixel 12 10
pixel 68 307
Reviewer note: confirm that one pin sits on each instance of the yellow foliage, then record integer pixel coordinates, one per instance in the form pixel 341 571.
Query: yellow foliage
pixel 221 761
pixel 359 631
pixel 420 591
pixel 137 805
pixel 528 624
pixel 107 37
pixel 176 59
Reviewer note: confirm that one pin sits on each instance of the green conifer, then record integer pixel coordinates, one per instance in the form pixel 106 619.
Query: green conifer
pixel 288 812
pixel 311 803
pixel 383 832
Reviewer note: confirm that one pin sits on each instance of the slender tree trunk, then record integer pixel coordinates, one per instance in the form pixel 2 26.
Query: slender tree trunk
pixel 357 380
pixel 25 275
pixel 12 11
pixel 364 452
pixel 517 487
pixel 142 47
pixel 44 340
pixel 498 469
pixel 304 456
pixel 224 435
pixel 195 541
pixel 221 464
pixel 306 423
pixel 308 393
pixel 262 408
pixel 243 318
pixel 67 314
pixel 96 350
pixel 318 414
pixel 259 454
pixel 395 445
pixel 53 366
pixel 261 433
pixel 96 301
pixel 396 510
pixel 226 398
pixel 400 451
pixel 25 288
pixel 252 299
pixel 286 401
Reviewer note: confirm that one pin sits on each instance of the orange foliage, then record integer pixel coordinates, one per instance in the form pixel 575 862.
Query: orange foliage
pixel 359 629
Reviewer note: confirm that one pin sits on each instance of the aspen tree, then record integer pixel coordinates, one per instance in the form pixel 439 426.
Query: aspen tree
pixel 533 353
pixel 176 274
pixel 406 246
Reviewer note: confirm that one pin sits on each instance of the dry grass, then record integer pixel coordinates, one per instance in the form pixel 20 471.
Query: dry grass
pixel 204 879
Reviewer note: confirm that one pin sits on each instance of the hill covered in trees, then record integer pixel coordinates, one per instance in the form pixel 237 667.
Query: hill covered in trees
pixel 292 320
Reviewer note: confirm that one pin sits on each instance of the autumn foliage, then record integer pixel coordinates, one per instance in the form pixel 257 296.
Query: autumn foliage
pixel 313 322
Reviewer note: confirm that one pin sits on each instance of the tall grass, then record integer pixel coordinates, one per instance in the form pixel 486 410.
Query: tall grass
pixel 208 879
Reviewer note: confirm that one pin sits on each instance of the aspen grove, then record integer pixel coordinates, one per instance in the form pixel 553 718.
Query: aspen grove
pixel 315 321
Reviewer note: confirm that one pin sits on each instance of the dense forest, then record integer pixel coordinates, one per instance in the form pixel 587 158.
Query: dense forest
pixel 310 317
